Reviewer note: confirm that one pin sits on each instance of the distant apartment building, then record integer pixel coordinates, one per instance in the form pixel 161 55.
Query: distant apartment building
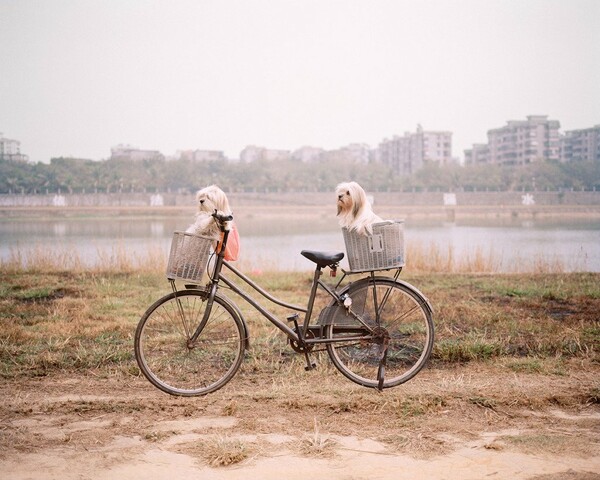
pixel 357 152
pixel 581 145
pixel 10 150
pixel 519 142
pixel 253 153
pixel 479 154
pixel 401 154
pixel 353 153
pixel 202 155
pixel 307 154
pixel 407 154
pixel 127 152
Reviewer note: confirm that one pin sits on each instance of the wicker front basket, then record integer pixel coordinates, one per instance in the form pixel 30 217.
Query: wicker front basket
pixel 189 257
pixel 383 250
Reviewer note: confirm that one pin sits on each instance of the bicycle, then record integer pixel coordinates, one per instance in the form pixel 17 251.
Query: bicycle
pixel 378 331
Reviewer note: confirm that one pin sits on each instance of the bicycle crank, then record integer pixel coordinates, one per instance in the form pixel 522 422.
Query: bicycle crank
pixel 297 347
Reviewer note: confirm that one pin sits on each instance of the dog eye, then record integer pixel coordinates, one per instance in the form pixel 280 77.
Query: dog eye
pixel 348 192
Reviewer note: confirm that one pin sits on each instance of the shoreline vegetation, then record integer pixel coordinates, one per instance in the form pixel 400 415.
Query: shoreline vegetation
pixel 421 258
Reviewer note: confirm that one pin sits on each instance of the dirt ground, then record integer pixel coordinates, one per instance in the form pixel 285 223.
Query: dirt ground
pixel 468 422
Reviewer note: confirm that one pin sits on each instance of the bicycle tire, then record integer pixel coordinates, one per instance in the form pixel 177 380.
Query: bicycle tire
pixel 404 328
pixel 162 347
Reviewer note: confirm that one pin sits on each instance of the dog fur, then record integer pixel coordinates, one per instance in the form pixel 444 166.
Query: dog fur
pixel 354 210
pixel 208 200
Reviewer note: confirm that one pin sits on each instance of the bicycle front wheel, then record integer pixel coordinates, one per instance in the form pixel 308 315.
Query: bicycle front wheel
pixel 395 339
pixel 174 363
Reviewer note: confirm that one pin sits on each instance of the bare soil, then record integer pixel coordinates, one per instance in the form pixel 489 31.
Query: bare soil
pixel 472 421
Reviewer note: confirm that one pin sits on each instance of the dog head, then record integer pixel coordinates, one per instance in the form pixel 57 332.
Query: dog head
pixel 351 199
pixel 212 198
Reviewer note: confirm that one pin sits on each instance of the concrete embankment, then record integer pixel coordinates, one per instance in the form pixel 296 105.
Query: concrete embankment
pixel 448 205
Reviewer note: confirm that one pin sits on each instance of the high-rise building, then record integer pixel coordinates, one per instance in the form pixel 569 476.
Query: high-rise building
pixel 202 155
pixel 11 150
pixel 129 153
pixel 308 154
pixel 519 142
pixel 407 154
pixel 479 154
pixel 252 153
pixel 581 145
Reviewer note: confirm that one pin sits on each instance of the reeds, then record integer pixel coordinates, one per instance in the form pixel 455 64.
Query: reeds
pixel 434 258
pixel 116 259
pixel 420 258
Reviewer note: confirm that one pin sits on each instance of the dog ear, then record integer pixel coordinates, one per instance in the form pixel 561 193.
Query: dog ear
pixel 224 201
pixel 356 206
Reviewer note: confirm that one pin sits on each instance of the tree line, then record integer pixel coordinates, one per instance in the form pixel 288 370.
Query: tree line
pixel 72 175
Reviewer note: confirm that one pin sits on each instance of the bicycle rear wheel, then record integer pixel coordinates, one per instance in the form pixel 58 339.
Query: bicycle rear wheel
pixel 171 362
pixel 396 341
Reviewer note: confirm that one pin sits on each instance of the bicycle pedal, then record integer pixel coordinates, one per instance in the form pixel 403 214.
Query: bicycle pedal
pixel 293 318
pixel 311 367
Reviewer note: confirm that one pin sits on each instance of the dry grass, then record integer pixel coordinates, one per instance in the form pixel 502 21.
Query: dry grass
pixel 116 259
pixel 421 258
pixel 419 444
pixel 549 441
pixel 316 444
pixel 60 320
pixel 427 258
pixel 221 451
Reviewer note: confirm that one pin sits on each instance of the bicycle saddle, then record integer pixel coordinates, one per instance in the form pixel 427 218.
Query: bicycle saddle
pixel 323 259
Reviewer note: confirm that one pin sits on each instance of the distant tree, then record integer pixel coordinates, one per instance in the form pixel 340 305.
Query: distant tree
pixel 74 175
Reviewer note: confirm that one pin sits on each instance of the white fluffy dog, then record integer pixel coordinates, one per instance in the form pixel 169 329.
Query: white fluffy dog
pixel 209 199
pixel 354 208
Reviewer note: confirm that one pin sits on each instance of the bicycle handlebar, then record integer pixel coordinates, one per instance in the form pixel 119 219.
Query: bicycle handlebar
pixel 221 218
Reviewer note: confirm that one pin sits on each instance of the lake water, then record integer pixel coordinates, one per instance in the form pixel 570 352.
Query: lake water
pixel 267 244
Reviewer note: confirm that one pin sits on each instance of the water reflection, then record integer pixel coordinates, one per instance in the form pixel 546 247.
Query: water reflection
pixel 274 243
pixel 60 229
pixel 157 229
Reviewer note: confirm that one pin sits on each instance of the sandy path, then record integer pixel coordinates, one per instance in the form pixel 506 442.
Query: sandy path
pixel 129 431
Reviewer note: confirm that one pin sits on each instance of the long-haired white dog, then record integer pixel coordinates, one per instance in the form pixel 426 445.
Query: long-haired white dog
pixel 354 210
pixel 208 200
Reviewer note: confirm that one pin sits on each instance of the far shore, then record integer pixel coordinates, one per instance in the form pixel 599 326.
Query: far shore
pixel 312 211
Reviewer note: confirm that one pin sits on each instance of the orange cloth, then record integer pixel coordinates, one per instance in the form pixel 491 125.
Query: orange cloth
pixel 232 250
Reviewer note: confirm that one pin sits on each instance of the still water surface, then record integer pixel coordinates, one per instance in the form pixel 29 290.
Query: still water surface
pixel 515 245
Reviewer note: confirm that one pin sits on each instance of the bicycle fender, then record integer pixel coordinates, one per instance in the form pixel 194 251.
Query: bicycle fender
pixel 348 288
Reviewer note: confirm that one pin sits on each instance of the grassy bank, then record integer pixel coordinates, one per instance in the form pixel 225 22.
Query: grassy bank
pixel 83 321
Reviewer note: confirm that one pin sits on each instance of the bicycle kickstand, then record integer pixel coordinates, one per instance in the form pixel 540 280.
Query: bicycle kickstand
pixel 382 364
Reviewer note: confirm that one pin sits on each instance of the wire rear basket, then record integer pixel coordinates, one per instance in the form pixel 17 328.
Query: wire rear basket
pixel 188 257
pixel 383 250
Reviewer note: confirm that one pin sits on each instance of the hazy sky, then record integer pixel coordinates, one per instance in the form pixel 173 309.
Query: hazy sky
pixel 80 76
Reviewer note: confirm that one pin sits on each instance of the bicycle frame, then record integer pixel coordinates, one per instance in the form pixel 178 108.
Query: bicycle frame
pixel 300 335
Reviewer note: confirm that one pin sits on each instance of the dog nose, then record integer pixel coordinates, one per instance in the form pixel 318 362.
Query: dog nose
pixel 340 197
pixel 202 201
